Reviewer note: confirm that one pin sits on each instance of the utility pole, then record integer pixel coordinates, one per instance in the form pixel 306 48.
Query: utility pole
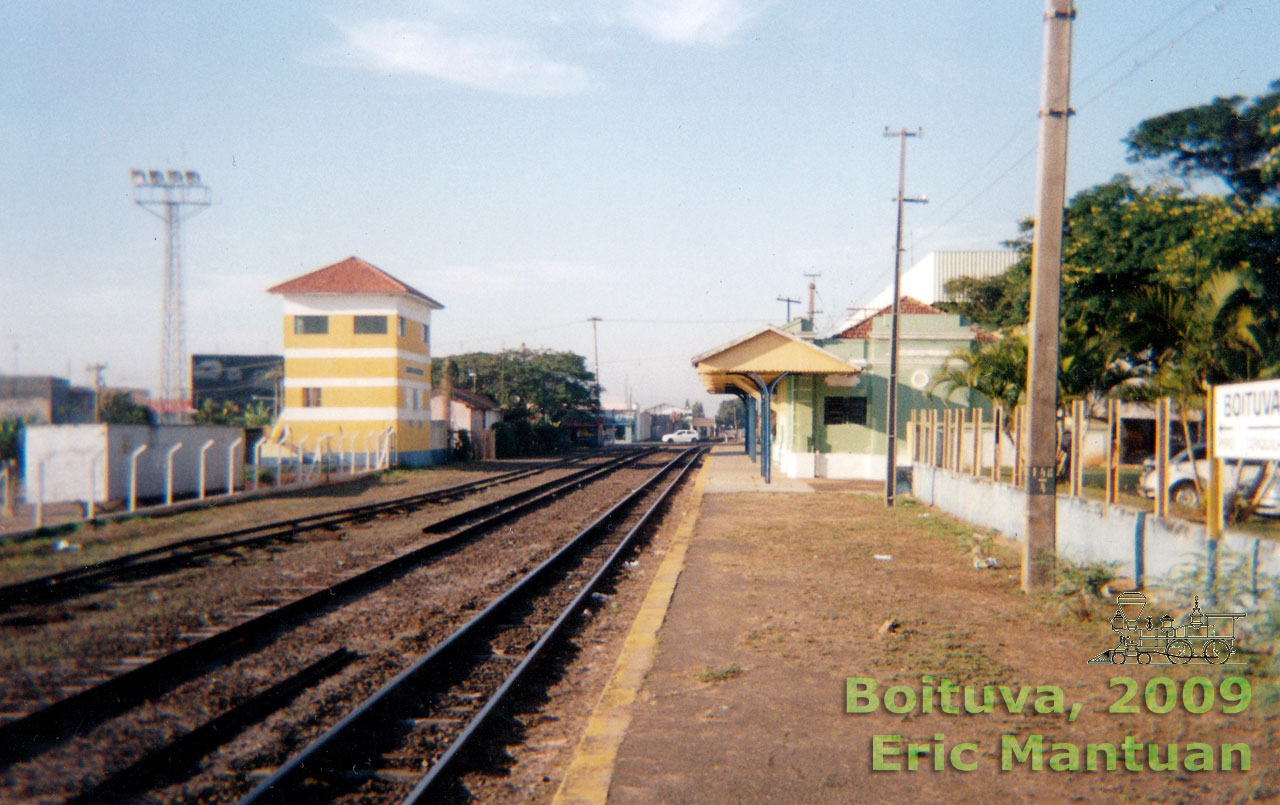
pixel 1040 546
pixel 595 349
pixel 891 406
pixel 96 369
pixel 789 302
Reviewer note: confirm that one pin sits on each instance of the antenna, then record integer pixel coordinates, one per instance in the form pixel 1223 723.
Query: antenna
pixel 168 194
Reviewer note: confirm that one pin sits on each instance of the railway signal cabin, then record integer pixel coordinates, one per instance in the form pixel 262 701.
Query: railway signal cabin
pixel 357 362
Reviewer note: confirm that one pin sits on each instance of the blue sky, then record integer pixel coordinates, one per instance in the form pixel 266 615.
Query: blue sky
pixel 671 166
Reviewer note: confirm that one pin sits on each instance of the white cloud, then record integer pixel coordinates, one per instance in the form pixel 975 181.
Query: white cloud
pixel 493 63
pixel 689 22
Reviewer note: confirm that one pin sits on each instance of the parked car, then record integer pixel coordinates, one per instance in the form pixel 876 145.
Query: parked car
pixel 1185 466
pixel 681 437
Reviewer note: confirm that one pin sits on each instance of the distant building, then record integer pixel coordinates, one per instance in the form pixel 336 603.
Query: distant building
pixel 926 280
pixel 827 396
pixel 620 425
pixel 666 418
pixel 357 359
pixel 45 400
pixel 241 379
pixel 474 413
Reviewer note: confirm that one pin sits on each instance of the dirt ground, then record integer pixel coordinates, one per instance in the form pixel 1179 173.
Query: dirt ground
pixel 783 599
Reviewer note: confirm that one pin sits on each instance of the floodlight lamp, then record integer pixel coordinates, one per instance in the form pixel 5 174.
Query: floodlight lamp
pixel 157 177
pixel 193 178
pixel 175 177
pixel 138 177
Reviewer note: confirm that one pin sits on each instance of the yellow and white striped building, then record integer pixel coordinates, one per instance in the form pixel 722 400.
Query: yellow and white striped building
pixel 357 361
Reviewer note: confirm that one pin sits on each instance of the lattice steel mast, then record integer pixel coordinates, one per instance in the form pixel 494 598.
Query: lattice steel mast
pixel 172 196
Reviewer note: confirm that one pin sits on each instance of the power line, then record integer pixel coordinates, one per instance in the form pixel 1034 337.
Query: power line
pixel 1021 129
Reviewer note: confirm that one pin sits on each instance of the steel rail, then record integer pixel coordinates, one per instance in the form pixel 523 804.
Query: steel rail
pixel 312 759
pixel 75 714
pixel 154 561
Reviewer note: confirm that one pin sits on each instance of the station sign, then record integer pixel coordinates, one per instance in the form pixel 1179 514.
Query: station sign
pixel 1246 420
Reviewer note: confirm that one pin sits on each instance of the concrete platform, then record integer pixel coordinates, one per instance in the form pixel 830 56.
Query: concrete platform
pixel 731 685
pixel 732 471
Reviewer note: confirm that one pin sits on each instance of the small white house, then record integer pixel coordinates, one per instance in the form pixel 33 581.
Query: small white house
pixel 474 413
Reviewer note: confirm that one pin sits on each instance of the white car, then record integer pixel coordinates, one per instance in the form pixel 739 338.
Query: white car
pixel 1186 465
pixel 681 437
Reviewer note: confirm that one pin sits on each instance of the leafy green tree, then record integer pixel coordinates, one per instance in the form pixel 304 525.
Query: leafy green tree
pixel 697 410
pixel 1231 138
pixel 218 412
pixel 1123 245
pixel 10 438
pixel 537 385
pixel 732 413
pixel 118 408
pixel 996 369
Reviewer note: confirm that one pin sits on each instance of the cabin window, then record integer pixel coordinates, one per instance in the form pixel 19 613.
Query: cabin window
pixel 370 325
pixel 310 325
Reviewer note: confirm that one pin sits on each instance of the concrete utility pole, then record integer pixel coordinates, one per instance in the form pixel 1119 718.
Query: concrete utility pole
pixel 96 369
pixel 1040 546
pixel 789 302
pixel 891 406
pixel 595 349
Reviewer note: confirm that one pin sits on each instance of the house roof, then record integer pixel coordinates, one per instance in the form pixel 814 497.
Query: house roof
pixel 468 398
pixel 767 352
pixel 907 306
pixel 350 276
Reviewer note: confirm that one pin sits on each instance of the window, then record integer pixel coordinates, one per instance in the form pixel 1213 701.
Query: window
pixel 413 370
pixel 371 325
pixel 426 334
pixel 399 326
pixel 844 411
pixel 310 325
pixel 310 398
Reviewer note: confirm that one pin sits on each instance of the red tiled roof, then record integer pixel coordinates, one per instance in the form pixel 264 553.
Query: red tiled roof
pixel 907 306
pixel 350 276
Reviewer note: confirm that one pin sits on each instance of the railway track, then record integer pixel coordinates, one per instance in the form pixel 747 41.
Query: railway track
pixel 433 712
pixel 50 726
pixel 54 587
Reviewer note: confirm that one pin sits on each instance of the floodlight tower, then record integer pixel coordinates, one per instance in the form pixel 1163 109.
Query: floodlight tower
pixel 172 196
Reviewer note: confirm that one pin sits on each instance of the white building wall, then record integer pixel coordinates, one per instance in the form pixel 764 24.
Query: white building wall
pixel 79 462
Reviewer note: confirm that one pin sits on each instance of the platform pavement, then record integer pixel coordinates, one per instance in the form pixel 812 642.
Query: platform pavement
pixel 728 470
pixel 732 470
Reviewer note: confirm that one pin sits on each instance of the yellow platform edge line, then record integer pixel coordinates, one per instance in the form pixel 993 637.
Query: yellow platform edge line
pixel 588 777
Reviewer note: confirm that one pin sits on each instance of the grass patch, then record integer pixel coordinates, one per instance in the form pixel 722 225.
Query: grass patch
pixel 710 676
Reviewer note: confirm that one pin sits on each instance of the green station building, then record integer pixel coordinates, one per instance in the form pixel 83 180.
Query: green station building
pixel 818 406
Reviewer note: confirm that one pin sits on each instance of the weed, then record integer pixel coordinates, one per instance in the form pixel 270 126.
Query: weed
pixel 713 675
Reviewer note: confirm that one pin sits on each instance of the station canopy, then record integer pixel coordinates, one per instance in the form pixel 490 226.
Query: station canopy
pixel 768 353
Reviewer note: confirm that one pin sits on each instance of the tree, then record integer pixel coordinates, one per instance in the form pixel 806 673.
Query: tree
pixel 1124 244
pixel 732 413
pixel 1230 138
pixel 118 408
pixel 10 438
pixel 697 410
pixel 537 385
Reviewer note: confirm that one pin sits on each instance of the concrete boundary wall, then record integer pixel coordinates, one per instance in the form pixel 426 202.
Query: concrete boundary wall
pixel 1089 531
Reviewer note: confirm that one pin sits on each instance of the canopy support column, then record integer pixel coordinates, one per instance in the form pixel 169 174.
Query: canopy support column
pixel 749 422
pixel 766 438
